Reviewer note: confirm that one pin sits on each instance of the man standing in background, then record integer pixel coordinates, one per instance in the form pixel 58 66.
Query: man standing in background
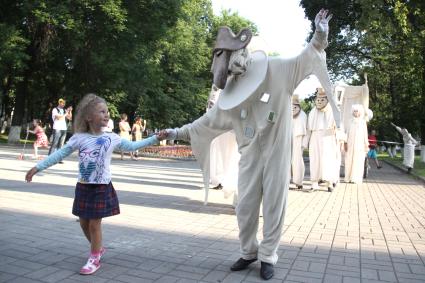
pixel 59 116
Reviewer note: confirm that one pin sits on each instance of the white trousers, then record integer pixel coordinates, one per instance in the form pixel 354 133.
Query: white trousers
pixel 260 180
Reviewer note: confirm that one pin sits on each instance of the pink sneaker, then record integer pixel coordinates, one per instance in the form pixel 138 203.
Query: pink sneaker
pixel 91 266
pixel 102 252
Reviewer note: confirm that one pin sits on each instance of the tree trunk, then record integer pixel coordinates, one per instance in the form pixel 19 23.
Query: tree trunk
pixel 22 91
pixel 422 117
pixel 19 109
pixel 394 100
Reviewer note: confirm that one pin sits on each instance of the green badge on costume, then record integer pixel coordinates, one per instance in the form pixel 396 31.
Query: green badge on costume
pixel 271 117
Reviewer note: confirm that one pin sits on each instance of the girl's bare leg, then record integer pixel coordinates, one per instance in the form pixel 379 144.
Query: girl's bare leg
pixel 84 223
pixel 95 229
pixel 35 151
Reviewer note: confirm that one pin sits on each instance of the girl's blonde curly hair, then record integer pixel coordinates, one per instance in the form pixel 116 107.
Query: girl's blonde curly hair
pixel 84 108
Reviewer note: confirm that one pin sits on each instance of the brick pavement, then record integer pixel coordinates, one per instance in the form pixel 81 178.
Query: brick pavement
pixel 369 233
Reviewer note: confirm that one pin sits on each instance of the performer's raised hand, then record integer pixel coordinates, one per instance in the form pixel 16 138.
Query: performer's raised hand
pixel 322 20
pixel 392 124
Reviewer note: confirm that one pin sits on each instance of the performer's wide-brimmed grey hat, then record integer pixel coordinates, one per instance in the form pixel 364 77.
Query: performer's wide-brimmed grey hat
pixel 226 43
pixel 227 40
pixel 296 99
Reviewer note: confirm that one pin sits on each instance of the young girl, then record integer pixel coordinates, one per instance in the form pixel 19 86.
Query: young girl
pixel 124 132
pixel 95 196
pixel 41 138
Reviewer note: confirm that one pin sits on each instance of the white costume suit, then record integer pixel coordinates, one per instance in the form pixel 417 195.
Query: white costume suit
pixel 263 133
pixel 357 147
pixel 322 145
pixel 299 131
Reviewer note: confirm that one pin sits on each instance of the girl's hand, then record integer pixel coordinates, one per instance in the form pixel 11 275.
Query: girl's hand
pixel 30 173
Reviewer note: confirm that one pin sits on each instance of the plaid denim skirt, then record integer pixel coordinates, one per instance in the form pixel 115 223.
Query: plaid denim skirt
pixel 94 201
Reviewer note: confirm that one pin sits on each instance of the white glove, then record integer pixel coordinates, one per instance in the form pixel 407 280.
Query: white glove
pixel 321 21
pixel 172 134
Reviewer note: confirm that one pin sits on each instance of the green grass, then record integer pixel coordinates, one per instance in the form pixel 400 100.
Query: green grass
pixel 3 139
pixel 419 166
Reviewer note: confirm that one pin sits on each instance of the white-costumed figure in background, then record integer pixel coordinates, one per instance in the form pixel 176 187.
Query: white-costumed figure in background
pixel 224 157
pixel 255 102
pixel 299 131
pixel 409 147
pixel 357 145
pixel 322 145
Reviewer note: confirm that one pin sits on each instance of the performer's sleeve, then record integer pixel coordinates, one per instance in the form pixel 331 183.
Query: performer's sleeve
pixel 201 133
pixel 312 61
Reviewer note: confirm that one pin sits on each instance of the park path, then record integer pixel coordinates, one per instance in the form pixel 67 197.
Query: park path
pixel 368 233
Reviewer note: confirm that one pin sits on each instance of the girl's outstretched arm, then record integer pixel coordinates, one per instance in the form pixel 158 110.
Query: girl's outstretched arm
pixel 127 145
pixel 50 160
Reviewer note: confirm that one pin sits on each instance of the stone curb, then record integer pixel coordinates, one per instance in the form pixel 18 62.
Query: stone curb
pixel 420 178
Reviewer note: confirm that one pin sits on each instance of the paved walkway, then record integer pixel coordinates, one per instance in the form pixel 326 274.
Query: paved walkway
pixel 369 233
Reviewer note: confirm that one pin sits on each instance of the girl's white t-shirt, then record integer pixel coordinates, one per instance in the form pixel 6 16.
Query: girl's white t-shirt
pixel 94 153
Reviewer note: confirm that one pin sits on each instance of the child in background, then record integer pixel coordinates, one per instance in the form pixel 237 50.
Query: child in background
pixel 373 143
pixel 41 138
pixel 95 196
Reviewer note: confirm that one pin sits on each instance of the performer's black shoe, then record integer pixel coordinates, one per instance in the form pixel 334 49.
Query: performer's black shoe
pixel 241 264
pixel 267 270
pixel 409 170
pixel 218 187
pixel 330 189
pixel 299 187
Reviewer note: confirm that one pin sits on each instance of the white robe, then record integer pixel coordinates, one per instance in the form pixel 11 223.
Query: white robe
pixel 224 157
pixel 357 147
pixel 224 163
pixel 322 145
pixel 299 131
pixel 264 145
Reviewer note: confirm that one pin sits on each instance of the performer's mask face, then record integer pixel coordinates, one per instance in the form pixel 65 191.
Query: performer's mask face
pixel 296 109
pixel 226 44
pixel 220 67
pixel 321 102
